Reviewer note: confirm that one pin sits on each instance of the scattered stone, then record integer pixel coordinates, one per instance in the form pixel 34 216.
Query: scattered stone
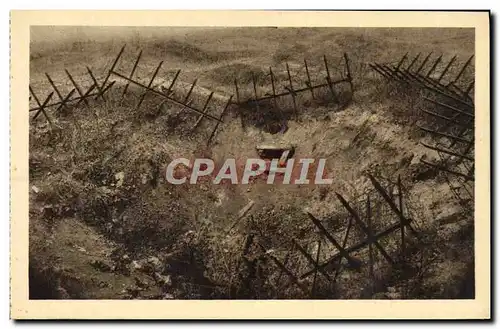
pixel 119 178
pixel 155 262
pixel 163 280
pixel 35 189
pixel 135 265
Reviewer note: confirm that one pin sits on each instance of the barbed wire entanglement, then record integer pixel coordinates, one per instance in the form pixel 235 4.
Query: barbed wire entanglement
pixel 272 89
pixel 449 114
pixel 377 237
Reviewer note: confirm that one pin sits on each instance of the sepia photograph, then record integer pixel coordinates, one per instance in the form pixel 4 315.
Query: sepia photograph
pixel 252 163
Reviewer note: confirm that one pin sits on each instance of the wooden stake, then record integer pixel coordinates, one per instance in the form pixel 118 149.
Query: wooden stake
pixel 112 68
pixel 205 110
pixel 401 62
pixel 329 80
pixel 423 63
pixel 221 119
pixel 360 223
pixel 309 83
pixel 99 88
pixel 173 82
pixel 255 91
pixel 342 251
pixel 447 68
pixel 149 86
pixel 413 62
pixel 349 76
pixel 462 70
pixel 370 247
pixel 400 190
pixel 132 73
pixel 77 87
pixel 292 92
pixel 237 91
pixel 434 66
pixel 41 107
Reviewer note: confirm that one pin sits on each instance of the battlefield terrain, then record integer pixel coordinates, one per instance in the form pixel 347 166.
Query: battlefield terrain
pixel 105 224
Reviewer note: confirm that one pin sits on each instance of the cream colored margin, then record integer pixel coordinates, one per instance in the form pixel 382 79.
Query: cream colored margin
pixel 22 308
